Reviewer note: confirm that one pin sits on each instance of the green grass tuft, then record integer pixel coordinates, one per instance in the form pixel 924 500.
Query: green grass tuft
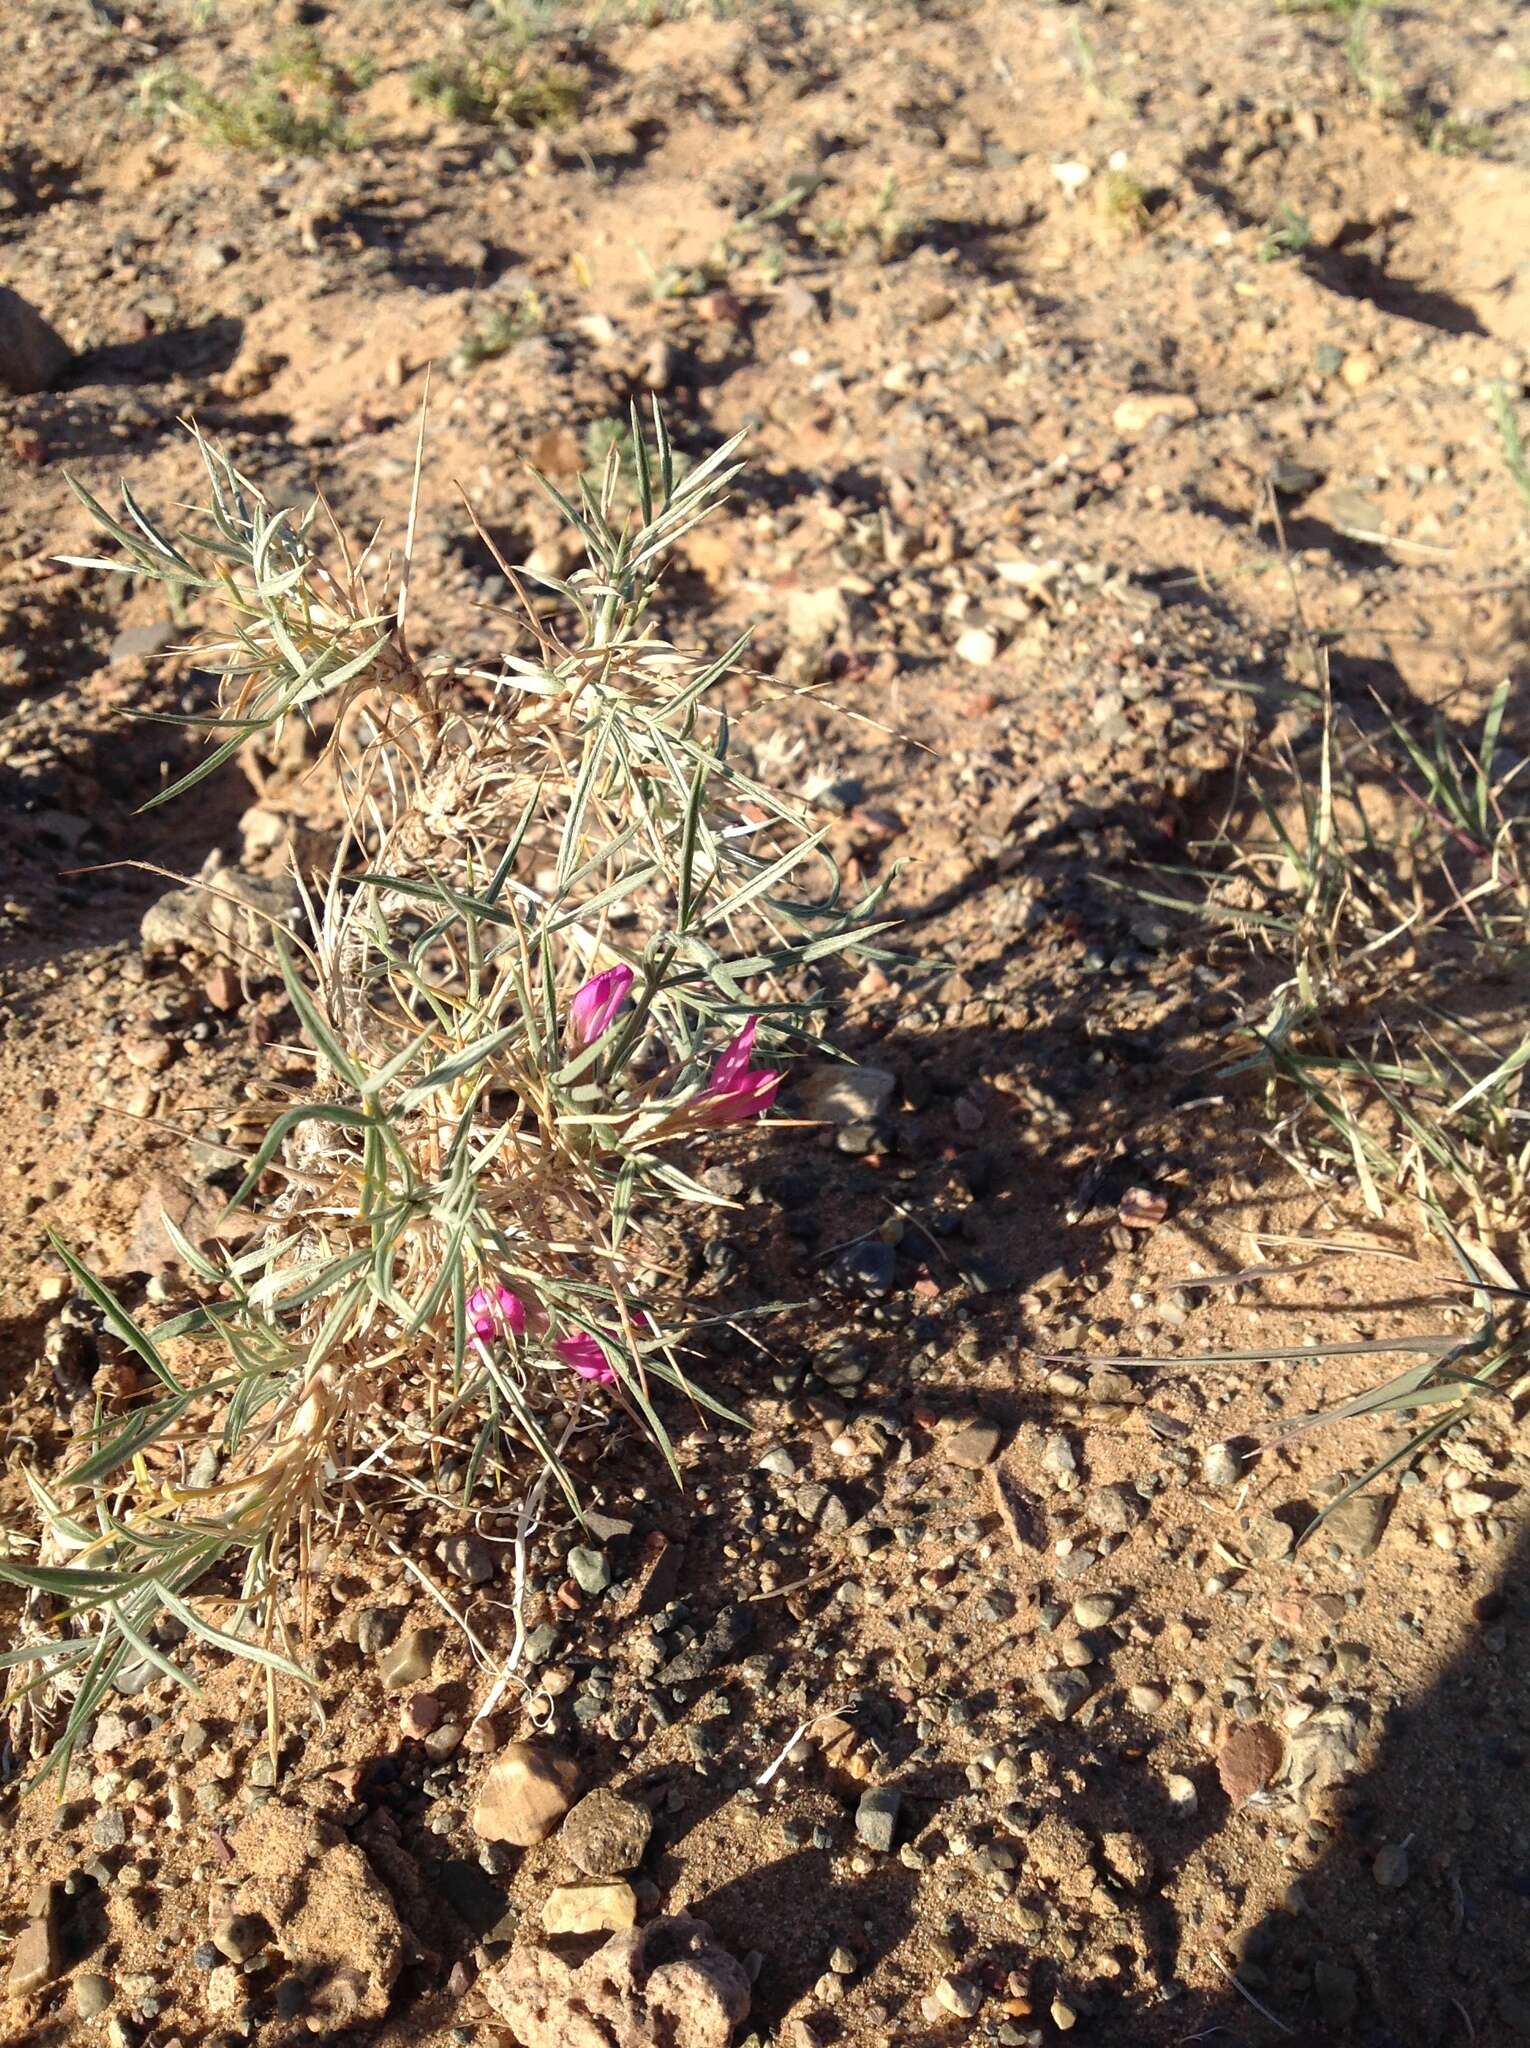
pixel 292 103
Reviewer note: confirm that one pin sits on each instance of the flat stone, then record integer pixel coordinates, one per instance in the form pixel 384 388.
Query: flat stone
pixel 525 1794
pixel 140 643
pixel 110 1732
pixel 837 1094
pixel 36 1959
pixel 972 1447
pixel 822 1505
pixel 814 616
pixel 1108 1385
pixel 1248 1760
pixel 227 914
pixel 109 1829
pixel 1357 1524
pixel 223 990
pixel 869 1268
pixel 1094 1610
pixel 589 1568
pixel 224 1989
pixel 408 1662
pixel 590 1909
pixel 607 1528
pixel 1337 1991
pixel 653 1577
pixel 418 1715
pixel 1058 1455
pixel 605 1835
pixel 376 1628
pixel 338 1927
pixel 1128 1859
pixel 727 1635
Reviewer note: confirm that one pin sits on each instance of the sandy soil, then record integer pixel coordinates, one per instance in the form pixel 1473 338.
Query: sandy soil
pixel 1037 316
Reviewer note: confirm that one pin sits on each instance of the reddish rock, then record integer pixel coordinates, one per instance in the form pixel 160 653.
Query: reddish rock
pixel 36 1959
pixel 418 1715
pixel 222 989
pixel 669 1986
pixel 1248 1760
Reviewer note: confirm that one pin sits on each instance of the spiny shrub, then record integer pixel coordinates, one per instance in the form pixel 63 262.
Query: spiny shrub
pixel 567 940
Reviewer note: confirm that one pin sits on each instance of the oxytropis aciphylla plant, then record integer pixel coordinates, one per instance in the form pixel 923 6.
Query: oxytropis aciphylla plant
pixel 566 940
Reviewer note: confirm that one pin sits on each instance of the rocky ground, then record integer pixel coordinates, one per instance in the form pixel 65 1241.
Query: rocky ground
pixel 1039 317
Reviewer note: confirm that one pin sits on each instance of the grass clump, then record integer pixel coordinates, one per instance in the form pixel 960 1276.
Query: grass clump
pixel 1383 894
pixel 510 87
pixel 570 935
pixel 1386 886
pixel 1512 442
pixel 501 330
pixel 1288 234
pixel 292 103
pixel 1122 204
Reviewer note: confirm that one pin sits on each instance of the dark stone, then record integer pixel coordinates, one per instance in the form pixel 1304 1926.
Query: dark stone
pixel 727 1635
pixel 33 355
pixel 869 1268
pixel 876 1817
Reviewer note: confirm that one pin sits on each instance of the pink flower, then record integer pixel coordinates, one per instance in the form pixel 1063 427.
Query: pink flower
pixel 495 1310
pixel 736 1090
pixel 582 1354
pixel 595 1005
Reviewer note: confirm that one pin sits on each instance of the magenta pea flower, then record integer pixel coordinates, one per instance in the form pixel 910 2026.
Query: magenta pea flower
pixel 493 1310
pixel 584 1357
pixel 595 1004
pixel 737 1090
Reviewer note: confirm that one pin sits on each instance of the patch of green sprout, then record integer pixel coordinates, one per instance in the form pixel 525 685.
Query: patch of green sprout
pixel 293 102
pixel 500 330
pixel 501 88
pixel 1288 234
